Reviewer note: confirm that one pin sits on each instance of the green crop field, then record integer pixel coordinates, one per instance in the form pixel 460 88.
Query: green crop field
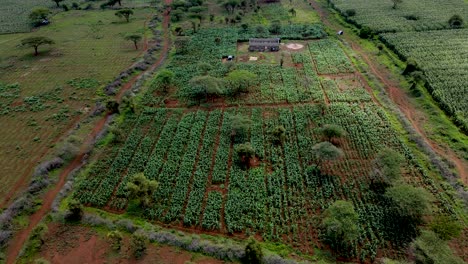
pixel 191 154
pixel 60 84
pixel 410 15
pixel 442 55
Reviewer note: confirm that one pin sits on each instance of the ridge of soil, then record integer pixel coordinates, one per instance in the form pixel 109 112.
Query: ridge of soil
pixel 21 237
pixel 400 99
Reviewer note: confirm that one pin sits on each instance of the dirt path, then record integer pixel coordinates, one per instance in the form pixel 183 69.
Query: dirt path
pixel 400 98
pixel 21 237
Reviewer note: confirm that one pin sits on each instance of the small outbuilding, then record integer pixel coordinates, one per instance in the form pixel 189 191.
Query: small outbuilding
pixel 264 44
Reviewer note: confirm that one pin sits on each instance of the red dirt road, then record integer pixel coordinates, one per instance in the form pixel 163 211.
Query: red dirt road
pixel 400 98
pixel 21 237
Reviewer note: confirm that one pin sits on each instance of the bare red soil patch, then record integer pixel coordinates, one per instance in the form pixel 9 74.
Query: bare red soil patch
pixel 76 245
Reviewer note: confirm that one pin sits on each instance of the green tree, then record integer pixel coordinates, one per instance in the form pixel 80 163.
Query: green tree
pixel 124 13
pixel 231 5
pixel 411 66
pixel 36 42
pixel 396 3
pixel 446 227
pixel 205 86
pixel 324 151
pixel 275 27
pixel 141 188
pixel 428 248
pixel 39 14
pixel 138 245
pixel 240 80
pixel 387 165
pixel 57 2
pixel 197 12
pixel 332 131
pixel 411 201
pixel 115 238
pixel 135 38
pixel 253 252
pixel 456 21
pixel 278 134
pixel 245 152
pixel 165 79
pixel 112 107
pixel 240 126
pixel 340 225
pixel 176 15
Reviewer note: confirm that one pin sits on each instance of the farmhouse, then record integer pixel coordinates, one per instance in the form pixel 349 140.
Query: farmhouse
pixel 264 44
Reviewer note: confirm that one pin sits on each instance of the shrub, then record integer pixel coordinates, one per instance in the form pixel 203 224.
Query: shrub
pixel 350 12
pixel 456 21
pixel 366 32
pixel 253 253
pixel 446 227
pixel 115 238
pixel 75 211
pixel 138 245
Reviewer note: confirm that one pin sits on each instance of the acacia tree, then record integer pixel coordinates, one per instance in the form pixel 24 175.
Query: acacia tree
pixel 36 42
pixel 134 38
pixel 340 224
pixel 396 2
pixel 142 189
pixel 205 86
pixel 240 126
pixel 124 13
pixel 57 2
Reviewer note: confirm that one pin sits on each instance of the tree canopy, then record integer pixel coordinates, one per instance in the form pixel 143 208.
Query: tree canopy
pixel 340 224
pixel 124 13
pixel 36 42
pixel 37 15
pixel 387 165
pixel 141 188
pixel 134 38
pixel 240 80
pixel 57 2
pixel 165 78
pixel 331 131
pixel 205 86
pixel 326 151
pixel 411 201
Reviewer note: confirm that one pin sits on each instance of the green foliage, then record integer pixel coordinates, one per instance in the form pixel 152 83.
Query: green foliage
pixel 340 224
pixel 138 245
pixel 456 21
pixel 164 79
pixel 387 165
pixel 75 210
pixel 253 252
pixel 332 131
pixel 57 2
pixel 240 80
pixel 37 15
pixel 366 32
pixel 411 201
pixel 83 83
pixel 35 42
pixel 36 238
pixel 244 152
pixel 142 189
pixel 124 13
pixel 115 238
pixel 135 38
pixel 205 87
pixel 112 107
pixel 396 3
pixel 326 151
pixel 240 126
pixel 278 134
pixel 431 249
pixel 446 227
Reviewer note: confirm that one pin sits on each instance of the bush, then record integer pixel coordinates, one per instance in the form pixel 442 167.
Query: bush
pixel 138 245
pixel 350 12
pixel 253 253
pixel 456 21
pixel 75 211
pixel 366 33
pixel 240 126
pixel 115 238
pixel 278 134
pixel 244 153
pixel 428 248
pixel 446 227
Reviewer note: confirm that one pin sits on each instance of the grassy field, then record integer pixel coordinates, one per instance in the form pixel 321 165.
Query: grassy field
pixel 60 84
pixel 190 153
